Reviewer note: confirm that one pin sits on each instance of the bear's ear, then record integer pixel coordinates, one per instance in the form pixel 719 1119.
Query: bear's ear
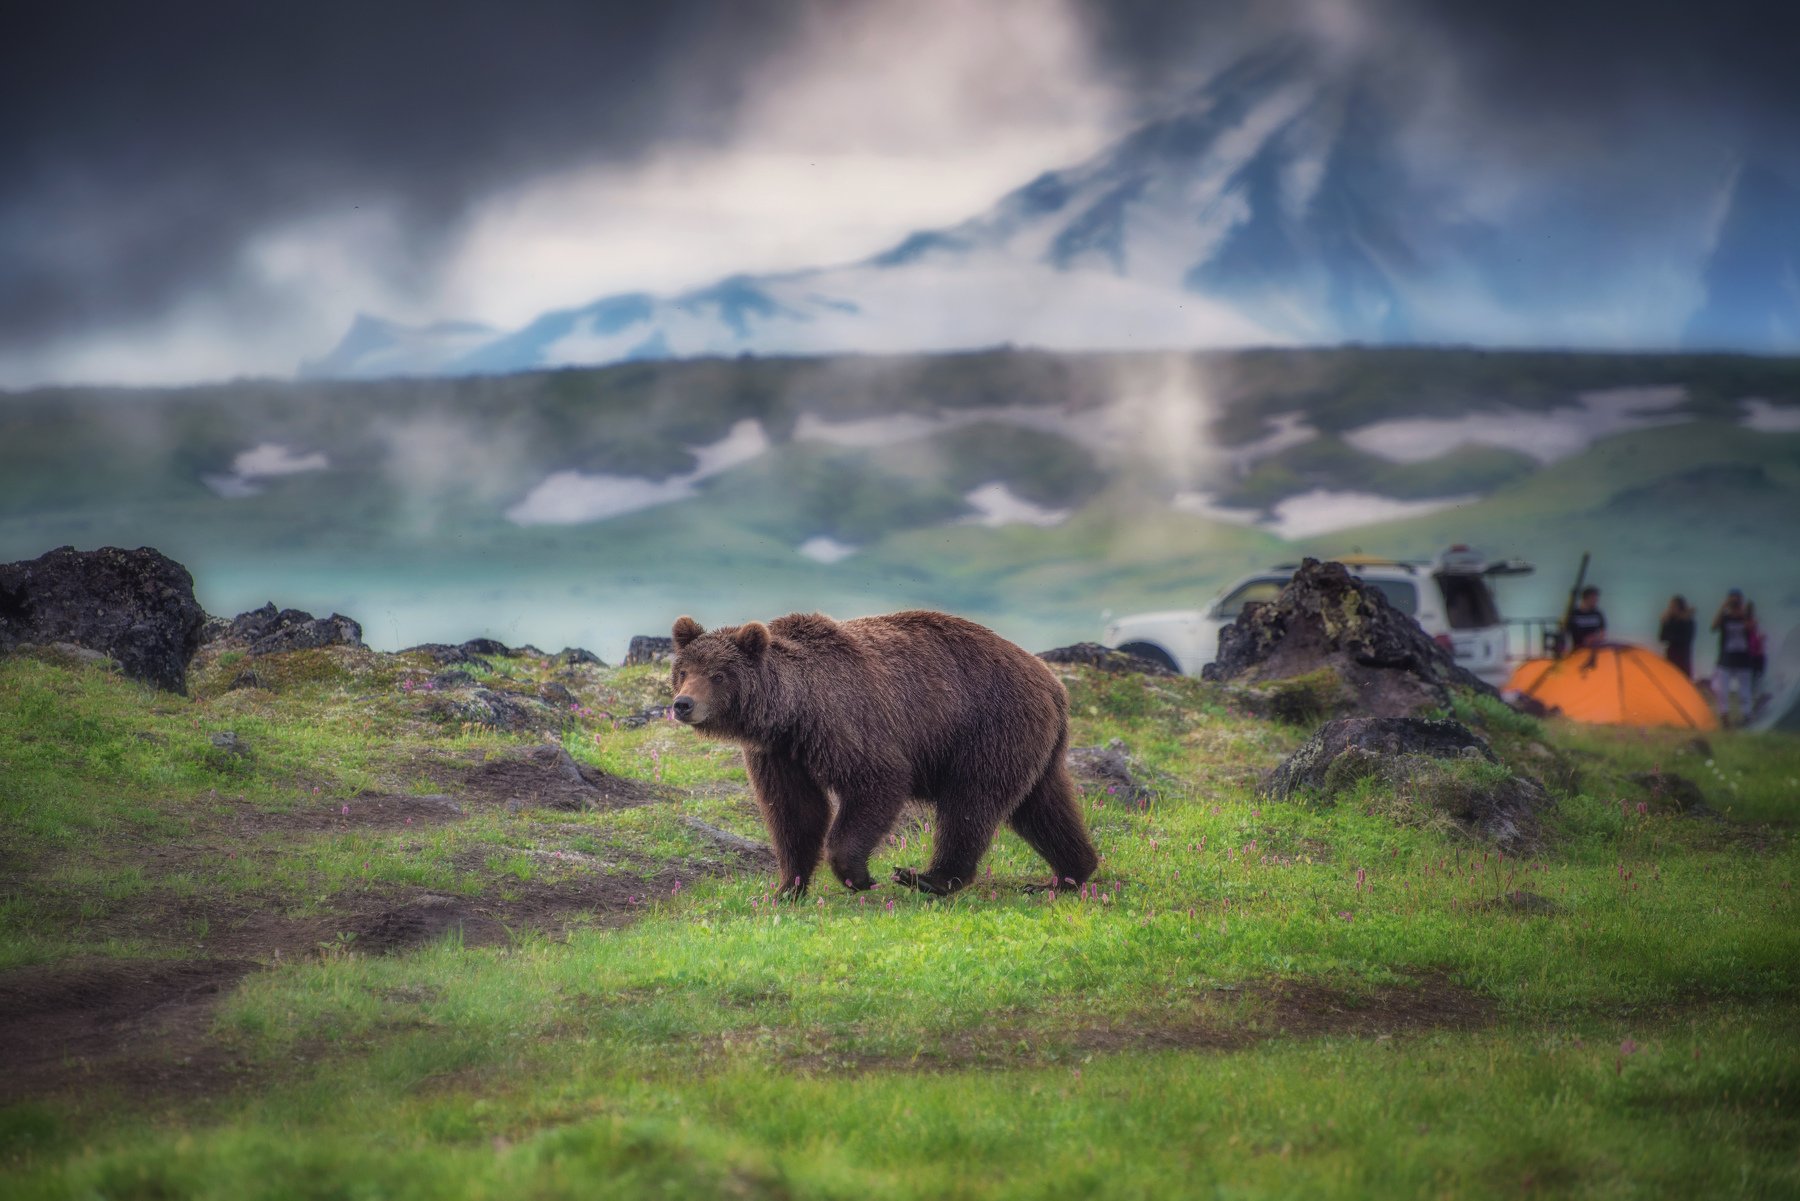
pixel 686 630
pixel 753 639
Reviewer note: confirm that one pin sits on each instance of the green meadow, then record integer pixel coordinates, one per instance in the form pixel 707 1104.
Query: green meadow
pixel 360 951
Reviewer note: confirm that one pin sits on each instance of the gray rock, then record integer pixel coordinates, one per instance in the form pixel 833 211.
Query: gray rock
pixel 486 646
pixel 1427 762
pixel 646 649
pixel 503 711
pixel 271 631
pixel 247 678
pixel 1108 770
pixel 1104 658
pixel 229 742
pixel 134 606
pixel 445 655
pixel 728 840
pixel 1326 618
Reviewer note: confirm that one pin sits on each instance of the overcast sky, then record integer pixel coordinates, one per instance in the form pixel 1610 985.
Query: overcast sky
pixel 196 190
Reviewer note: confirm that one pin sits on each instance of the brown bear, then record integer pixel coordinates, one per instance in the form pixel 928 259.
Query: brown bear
pixel 879 710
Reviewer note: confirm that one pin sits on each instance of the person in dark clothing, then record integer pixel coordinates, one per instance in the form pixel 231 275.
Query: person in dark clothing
pixel 1677 634
pixel 1759 652
pixel 1587 624
pixel 1735 626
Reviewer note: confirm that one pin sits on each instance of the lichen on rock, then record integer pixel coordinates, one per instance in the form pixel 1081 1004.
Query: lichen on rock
pixel 1326 619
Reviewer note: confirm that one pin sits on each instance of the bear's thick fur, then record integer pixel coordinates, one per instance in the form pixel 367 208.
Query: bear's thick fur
pixel 876 711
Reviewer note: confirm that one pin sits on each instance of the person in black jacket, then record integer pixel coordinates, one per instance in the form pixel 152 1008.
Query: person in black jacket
pixel 1736 628
pixel 1677 634
pixel 1587 624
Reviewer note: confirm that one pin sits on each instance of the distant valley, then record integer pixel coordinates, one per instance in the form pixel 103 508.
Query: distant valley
pixel 1029 490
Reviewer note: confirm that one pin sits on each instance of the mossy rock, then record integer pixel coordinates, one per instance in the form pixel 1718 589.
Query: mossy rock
pixel 1298 700
pixel 1418 773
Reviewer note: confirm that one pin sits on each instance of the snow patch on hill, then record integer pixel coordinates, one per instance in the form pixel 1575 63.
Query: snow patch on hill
pixel 997 505
pixel 573 497
pixel 1545 436
pixel 1324 512
pixel 260 462
pixel 1320 511
pixel 824 549
pixel 1769 418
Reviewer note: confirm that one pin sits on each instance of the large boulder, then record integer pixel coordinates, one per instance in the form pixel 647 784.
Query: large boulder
pixel 648 649
pixel 136 606
pixel 1435 771
pixel 1327 619
pixel 1104 658
pixel 268 631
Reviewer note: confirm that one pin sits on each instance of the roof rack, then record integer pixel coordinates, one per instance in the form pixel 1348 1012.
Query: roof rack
pixel 1410 566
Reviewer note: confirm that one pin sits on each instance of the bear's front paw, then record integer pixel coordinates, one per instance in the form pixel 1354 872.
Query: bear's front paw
pixel 924 882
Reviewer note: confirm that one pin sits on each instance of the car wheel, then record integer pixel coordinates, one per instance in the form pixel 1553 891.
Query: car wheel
pixel 1152 652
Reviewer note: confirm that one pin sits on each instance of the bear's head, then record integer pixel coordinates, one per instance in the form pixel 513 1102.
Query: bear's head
pixel 717 675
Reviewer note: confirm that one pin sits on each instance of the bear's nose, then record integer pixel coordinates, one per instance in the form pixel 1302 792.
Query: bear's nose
pixel 683 706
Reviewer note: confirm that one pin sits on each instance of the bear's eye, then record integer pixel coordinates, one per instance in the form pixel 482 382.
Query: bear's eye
pixel 718 677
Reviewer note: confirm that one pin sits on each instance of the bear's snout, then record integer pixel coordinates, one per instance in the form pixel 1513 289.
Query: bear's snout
pixel 683 708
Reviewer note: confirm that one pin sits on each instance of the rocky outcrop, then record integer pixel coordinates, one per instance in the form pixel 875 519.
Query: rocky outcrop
pixel 1105 774
pixel 268 631
pixel 1326 618
pixel 646 649
pixel 1434 769
pixel 508 711
pixel 135 606
pixel 445 654
pixel 1104 658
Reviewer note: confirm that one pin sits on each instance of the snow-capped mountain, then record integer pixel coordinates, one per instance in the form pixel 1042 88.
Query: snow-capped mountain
pixel 1273 205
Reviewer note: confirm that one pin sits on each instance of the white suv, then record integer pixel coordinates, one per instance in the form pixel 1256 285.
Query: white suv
pixel 1448 596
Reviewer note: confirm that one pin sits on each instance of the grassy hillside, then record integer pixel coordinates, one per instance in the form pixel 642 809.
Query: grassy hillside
pixel 407 529
pixel 354 950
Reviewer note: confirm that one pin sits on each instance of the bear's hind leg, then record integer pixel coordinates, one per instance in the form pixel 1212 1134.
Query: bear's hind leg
pixel 1050 821
pixel 864 817
pixel 795 810
pixel 964 833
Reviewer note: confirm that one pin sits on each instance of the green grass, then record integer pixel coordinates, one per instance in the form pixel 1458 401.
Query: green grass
pixel 1212 1016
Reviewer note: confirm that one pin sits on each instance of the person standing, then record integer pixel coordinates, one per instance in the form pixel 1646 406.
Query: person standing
pixel 1759 653
pixel 1587 624
pixel 1677 634
pixel 1734 625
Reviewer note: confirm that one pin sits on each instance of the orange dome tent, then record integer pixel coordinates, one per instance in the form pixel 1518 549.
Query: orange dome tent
pixel 1615 684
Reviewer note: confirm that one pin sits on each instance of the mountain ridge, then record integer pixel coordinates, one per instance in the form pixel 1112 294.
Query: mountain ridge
pixel 1276 204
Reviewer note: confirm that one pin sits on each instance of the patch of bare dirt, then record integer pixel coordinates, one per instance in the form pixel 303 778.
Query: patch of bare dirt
pixel 1226 1019
pixel 365 810
pixel 548 777
pixel 143 1026
pixel 136 1024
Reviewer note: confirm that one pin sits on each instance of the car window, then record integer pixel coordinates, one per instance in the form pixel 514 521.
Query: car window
pixel 1467 602
pixel 1255 592
pixel 1401 594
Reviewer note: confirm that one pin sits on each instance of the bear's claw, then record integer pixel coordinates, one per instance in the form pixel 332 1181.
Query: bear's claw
pixel 919 880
